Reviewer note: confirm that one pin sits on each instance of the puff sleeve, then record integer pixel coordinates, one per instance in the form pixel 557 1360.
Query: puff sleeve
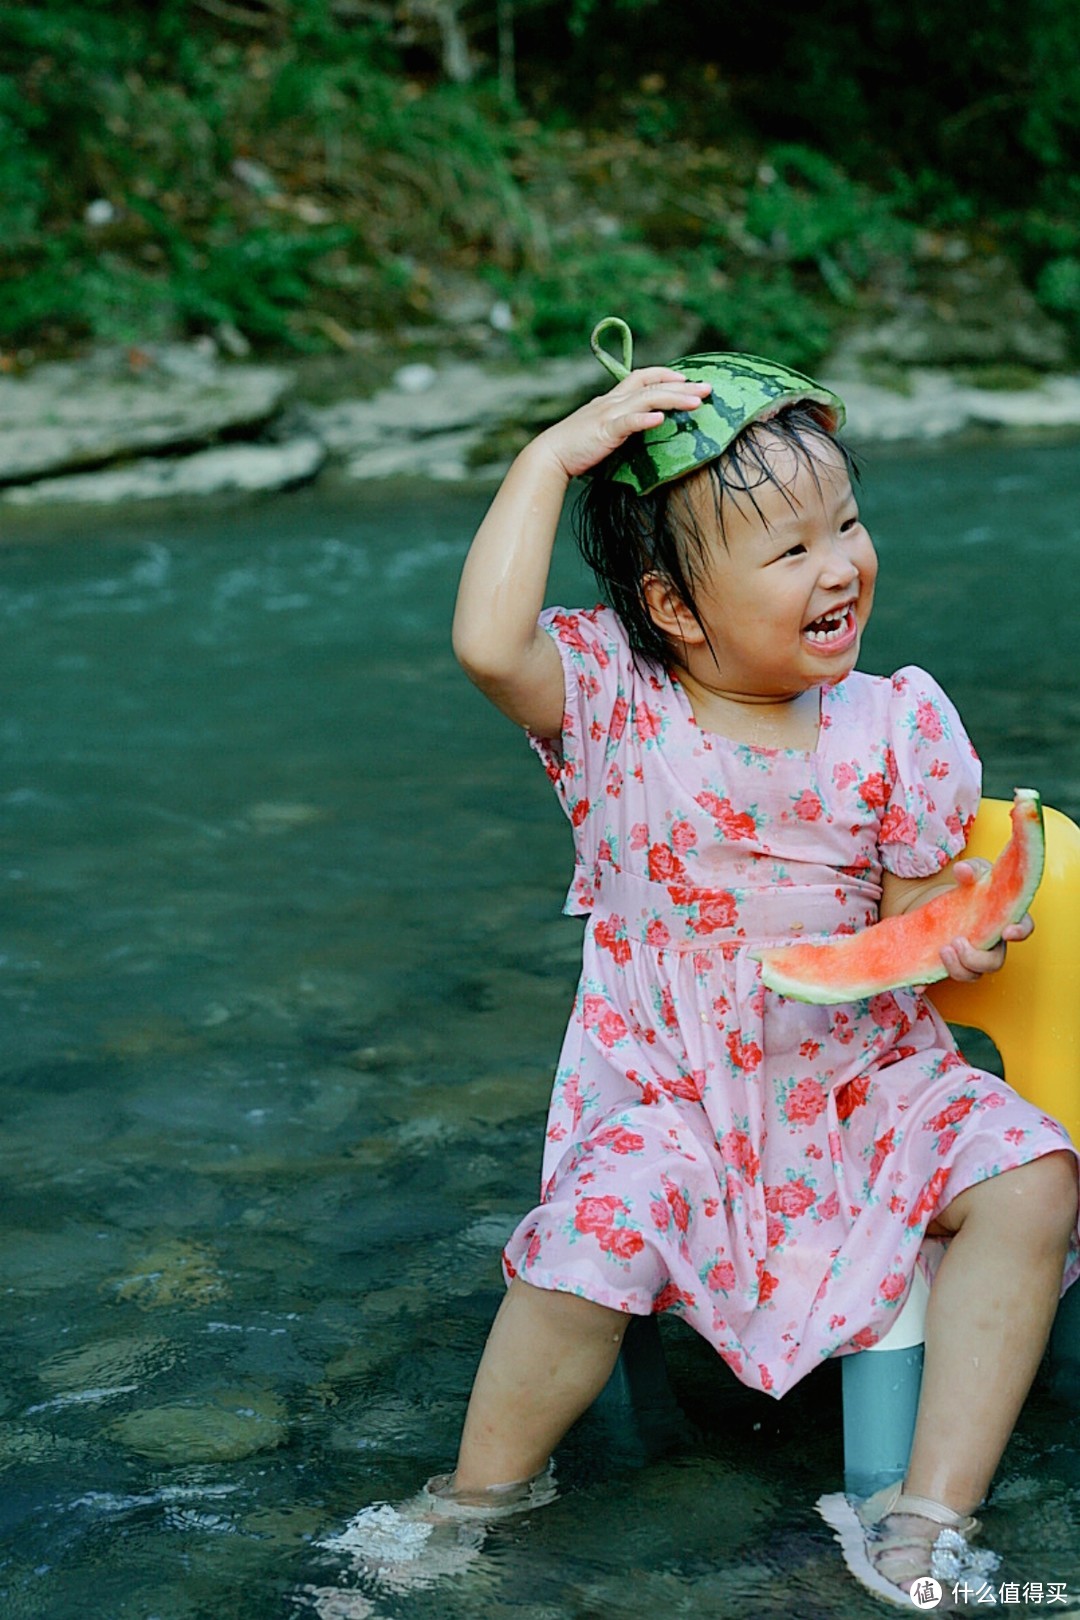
pixel 936 779
pixel 596 662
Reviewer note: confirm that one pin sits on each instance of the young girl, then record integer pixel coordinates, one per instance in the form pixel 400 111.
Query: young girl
pixel 766 1169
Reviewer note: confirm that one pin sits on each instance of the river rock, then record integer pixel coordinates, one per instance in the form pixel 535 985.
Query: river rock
pixel 173 1273
pixel 224 1427
pixel 68 415
pixel 933 404
pixel 435 430
pixel 227 469
pixel 107 1365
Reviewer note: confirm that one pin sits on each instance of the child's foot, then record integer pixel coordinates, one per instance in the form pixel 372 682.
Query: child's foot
pixel 435 1535
pixel 891 1542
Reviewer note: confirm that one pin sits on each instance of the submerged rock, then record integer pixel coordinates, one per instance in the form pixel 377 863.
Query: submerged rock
pixel 223 1427
pixel 173 1273
pixel 108 1363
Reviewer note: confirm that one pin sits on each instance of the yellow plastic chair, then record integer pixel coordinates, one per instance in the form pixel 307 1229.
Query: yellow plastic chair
pixel 1031 1009
pixel 1031 1012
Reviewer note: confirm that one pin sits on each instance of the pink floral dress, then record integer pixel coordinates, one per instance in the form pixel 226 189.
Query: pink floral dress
pixel 764 1168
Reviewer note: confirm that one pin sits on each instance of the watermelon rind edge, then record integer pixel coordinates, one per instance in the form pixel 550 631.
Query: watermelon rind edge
pixel 827 996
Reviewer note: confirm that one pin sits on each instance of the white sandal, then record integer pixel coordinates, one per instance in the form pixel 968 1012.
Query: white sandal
pixel 435 1535
pixel 888 1558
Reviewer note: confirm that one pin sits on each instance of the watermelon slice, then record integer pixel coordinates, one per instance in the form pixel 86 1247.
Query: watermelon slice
pixel 906 950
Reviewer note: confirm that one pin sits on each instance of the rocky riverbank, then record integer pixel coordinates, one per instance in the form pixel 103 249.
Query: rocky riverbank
pixel 182 421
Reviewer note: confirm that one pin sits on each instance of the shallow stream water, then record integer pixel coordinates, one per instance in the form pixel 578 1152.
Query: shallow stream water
pixel 282 981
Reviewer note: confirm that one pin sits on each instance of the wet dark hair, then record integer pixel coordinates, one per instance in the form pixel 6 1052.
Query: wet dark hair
pixel 624 536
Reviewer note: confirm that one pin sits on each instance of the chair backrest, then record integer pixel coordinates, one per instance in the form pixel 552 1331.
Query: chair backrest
pixel 1031 1009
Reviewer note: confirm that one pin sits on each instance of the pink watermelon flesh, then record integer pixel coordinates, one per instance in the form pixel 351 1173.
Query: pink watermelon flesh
pixel 906 950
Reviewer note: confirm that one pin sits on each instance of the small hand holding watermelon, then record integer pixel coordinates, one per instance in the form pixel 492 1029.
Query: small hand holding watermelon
pixel 907 950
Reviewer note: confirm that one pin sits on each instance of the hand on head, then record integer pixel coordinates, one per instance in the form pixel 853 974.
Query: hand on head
pixel 641 400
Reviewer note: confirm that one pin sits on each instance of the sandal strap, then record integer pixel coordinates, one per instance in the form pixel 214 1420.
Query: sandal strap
pixel 924 1507
pixel 894 1499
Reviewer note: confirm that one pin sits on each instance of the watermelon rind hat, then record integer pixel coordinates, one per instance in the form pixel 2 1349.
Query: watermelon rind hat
pixel 745 388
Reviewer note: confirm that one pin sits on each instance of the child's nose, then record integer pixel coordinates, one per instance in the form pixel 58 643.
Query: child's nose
pixel 840 569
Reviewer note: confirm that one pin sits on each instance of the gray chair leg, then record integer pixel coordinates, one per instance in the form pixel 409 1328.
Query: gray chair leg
pixel 638 1403
pixel 1064 1361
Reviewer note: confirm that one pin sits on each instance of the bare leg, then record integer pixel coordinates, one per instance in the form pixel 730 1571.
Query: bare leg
pixel 990 1313
pixel 547 1358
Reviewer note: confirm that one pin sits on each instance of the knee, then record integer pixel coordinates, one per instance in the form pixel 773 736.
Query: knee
pixel 569 1314
pixel 1042 1200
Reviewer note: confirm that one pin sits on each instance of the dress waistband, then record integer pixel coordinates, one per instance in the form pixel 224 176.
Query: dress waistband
pixel 683 917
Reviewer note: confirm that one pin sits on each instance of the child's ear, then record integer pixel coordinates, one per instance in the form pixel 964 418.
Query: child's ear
pixel 669 612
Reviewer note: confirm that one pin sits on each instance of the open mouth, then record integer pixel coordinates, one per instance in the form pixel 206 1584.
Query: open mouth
pixel 832 628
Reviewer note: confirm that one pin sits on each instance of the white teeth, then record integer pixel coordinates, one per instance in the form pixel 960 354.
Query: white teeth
pixel 840 628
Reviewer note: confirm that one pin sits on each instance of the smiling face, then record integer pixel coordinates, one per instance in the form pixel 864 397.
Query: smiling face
pixel 787 581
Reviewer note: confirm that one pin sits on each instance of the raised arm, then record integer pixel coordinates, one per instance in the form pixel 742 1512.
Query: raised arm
pixel 497 639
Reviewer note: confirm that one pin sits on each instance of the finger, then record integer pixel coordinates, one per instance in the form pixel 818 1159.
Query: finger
pixel 652 412
pixel 670 393
pixel 954 967
pixel 970 871
pixel 1015 932
pixel 649 376
pixel 974 963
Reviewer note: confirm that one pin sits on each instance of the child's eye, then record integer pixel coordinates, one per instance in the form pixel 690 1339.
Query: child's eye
pixel 849 524
pixel 795 551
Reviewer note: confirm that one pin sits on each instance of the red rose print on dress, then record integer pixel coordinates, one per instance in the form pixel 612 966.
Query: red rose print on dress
pixel 610 935
pixel 687 1086
pixel 874 791
pixel 664 864
pixel 647 722
pixel 805 1101
pixel 808 807
pixel 683 836
pixel 957 1110
pixel 737 1150
pixel 730 823
pixel 602 1020
pixel 618 1139
pixel 899 827
pixel 715 908
pixel 678 1204
pixel 721 1276
pixel 767 1283
pixel 927 1201
pixel 793 1198
pixel 892 1287
pixel 744 1055
pixel 672 1295
pixel 599 1216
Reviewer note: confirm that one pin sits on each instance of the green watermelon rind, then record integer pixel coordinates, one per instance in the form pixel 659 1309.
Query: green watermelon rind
pixel 1027 841
pixel 746 389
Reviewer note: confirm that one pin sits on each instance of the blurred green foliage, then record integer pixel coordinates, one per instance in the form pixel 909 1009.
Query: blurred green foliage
pixel 292 172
